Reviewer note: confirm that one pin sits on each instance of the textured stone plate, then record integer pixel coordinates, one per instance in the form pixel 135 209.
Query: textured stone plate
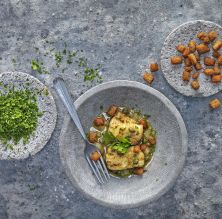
pixel 168 159
pixel 46 123
pixel 173 73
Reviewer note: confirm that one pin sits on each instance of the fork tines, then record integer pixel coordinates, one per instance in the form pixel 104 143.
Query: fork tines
pixel 99 169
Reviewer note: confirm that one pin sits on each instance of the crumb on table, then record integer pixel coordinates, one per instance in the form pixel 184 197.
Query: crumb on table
pixel 215 103
pixel 148 77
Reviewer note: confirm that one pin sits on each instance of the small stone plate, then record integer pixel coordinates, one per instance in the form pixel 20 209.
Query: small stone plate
pixel 173 73
pixel 168 158
pixel 46 122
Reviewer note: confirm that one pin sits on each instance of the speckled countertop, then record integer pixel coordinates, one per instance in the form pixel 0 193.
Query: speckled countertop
pixel 122 36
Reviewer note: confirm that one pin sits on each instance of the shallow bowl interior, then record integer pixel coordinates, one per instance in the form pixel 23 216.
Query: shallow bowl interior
pixel 168 158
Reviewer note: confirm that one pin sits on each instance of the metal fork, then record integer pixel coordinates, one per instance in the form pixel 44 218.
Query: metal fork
pixel 98 167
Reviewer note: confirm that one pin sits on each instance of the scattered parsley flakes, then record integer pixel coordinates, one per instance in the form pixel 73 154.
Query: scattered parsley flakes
pixel 82 62
pixel 36 49
pixel 38 66
pixel 66 56
pixel 71 56
pixel 58 59
pixel 13 62
pixel 64 51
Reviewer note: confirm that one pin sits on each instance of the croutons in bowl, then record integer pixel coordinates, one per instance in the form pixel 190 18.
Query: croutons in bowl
pixel 191 58
pixel 170 147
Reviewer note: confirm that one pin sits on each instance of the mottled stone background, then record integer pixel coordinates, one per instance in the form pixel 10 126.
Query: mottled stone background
pixel 123 36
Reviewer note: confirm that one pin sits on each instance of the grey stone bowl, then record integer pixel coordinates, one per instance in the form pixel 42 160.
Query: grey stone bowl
pixel 168 159
pixel 173 73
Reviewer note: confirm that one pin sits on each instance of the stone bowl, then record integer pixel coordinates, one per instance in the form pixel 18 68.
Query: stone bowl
pixel 173 73
pixel 168 159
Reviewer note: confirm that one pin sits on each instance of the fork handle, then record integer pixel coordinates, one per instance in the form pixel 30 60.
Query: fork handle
pixel 62 91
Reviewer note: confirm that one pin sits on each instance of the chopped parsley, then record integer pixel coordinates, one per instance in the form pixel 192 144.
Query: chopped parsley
pixel 58 59
pixel 82 62
pixel 13 62
pixel 36 65
pixel 121 145
pixel 19 114
pixel 62 59
pixel 91 73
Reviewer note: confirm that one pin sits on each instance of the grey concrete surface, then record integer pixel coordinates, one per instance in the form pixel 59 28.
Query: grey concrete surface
pixel 123 36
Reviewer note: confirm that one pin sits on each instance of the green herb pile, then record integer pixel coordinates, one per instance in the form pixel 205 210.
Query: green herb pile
pixel 121 145
pixel 19 114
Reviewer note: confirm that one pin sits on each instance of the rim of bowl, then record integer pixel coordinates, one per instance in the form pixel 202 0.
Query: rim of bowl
pixel 168 104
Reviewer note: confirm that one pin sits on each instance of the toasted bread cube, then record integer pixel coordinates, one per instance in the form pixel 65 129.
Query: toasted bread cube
pixel 219 60
pixel 188 68
pixel 186 76
pixel 136 149
pixel 195 75
pixel 112 110
pixel 180 48
pixel 216 78
pixel 217 45
pixel 212 35
pixel 192 46
pixel 192 58
pixel 198 66
pixel 215 103
pixel 99 121
pixel 144 123
pixel 202 48
pixel 197 56
pixel 206 40
pixel 143 147
pixel 92 137
pixel 176 60
pixel 187 62
pixel 95 156
pixel 209 61
pixel 216 54
pixel 154 67
pixel 148 77
pixel 209 71
pixel 195 84
pixel 139 171
pixel 201 35
pixel 186 52
pixel 152 140
pixel 216 69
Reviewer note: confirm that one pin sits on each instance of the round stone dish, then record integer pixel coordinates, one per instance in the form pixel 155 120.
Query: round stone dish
pixel 46 123
pixel 168 159
pixel 173 73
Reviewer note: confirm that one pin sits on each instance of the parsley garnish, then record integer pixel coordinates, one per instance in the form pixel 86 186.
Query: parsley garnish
pixel 108 138
pixel 121 145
